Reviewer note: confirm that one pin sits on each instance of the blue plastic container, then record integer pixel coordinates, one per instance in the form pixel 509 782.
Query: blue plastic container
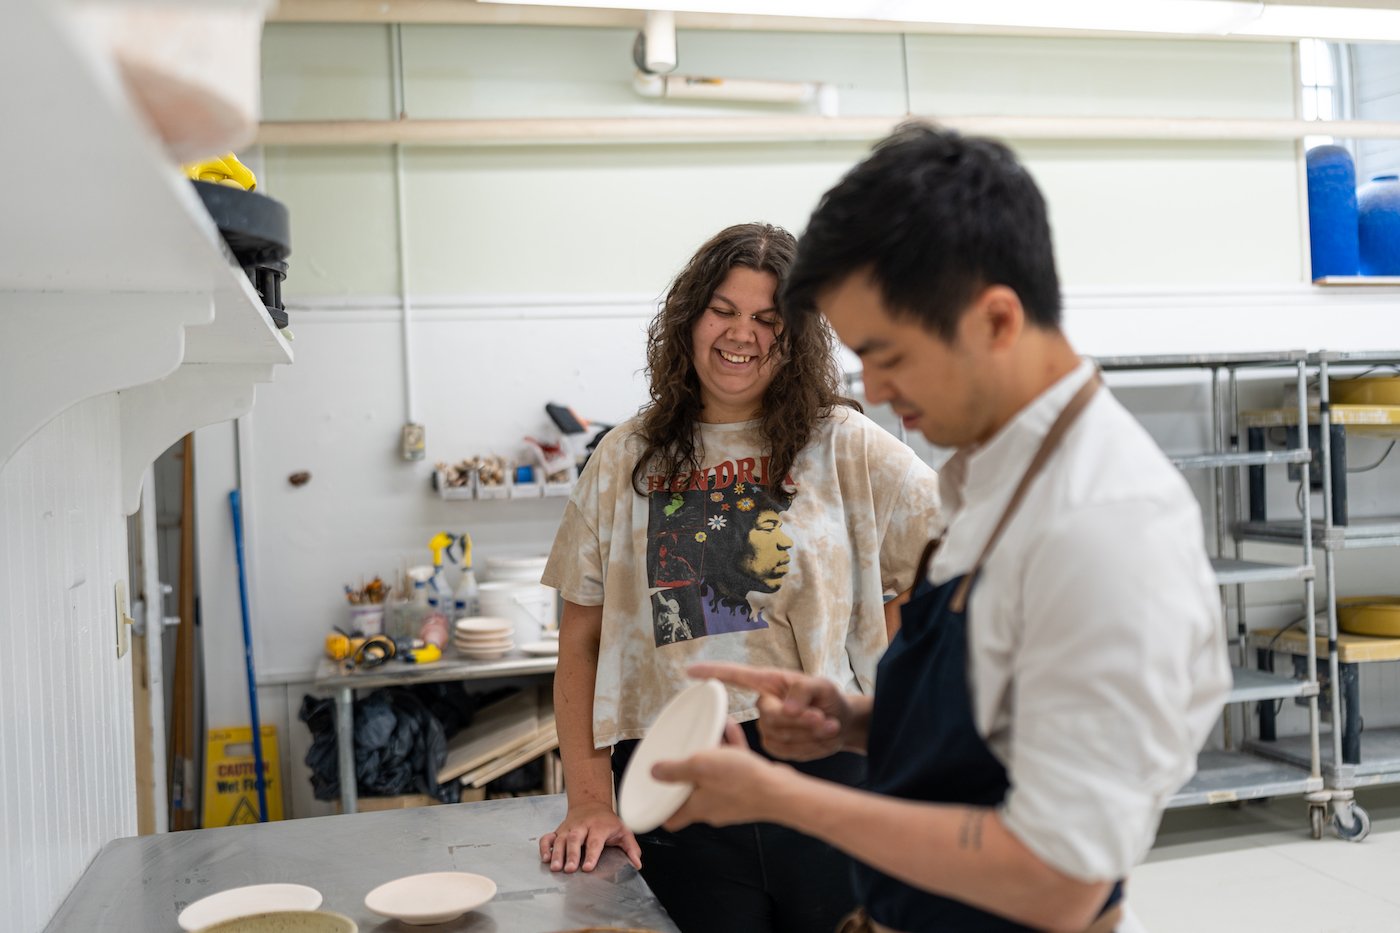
pixel 1332 212
pixel 1378 205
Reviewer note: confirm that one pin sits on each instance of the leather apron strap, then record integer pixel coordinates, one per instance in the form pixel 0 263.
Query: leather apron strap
pixel 1057 432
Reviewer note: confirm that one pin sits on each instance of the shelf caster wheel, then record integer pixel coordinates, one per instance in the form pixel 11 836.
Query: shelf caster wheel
pixel 1317 815
pixel 1355 829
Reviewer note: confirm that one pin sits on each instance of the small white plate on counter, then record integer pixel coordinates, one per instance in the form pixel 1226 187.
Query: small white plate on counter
pixel 483 625
pixel 692 722
pixel 435 897
pixel 543 647
pixel 245 901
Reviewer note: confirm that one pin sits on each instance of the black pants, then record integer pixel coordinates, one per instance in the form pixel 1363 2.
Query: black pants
pixel 752 878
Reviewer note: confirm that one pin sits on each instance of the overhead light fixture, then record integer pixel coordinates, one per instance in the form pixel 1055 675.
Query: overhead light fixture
pixel 1252 18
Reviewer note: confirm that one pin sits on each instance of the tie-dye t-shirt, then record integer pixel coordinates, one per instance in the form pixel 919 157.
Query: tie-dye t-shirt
pixel 714 566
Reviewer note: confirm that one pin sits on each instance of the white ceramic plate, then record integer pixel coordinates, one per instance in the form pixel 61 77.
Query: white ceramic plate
pixel 435 897
pixel 484 625
pixel 476 655
pixel 550 633
pixel 547 646
pixel 692 722
pixel 505 641
pixel 241 902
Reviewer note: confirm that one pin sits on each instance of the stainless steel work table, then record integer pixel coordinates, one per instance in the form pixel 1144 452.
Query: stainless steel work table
pixel 342 682
pixel 140 885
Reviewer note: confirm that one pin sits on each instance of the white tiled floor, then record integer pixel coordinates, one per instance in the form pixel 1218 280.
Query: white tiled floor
pixel 1257 868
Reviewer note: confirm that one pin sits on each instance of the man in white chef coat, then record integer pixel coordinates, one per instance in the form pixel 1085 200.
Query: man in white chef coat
pixel 1063 660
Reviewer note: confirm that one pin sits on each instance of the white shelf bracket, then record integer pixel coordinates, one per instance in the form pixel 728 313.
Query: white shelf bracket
pixel 55 351
pixel 158 414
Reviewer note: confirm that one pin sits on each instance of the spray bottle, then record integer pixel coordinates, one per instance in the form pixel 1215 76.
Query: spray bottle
pixel 407 617
pixel 438 596
pixel 466 601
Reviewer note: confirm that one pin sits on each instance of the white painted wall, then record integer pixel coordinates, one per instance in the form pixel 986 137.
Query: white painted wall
pixel 618 220
pixel 533 270
pixel 66 753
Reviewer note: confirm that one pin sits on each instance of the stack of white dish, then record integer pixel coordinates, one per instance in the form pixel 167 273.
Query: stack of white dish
pixel 483 638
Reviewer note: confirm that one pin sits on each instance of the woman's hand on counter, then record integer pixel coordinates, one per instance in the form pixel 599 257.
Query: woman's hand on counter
pixel 801 718
pixel 579 841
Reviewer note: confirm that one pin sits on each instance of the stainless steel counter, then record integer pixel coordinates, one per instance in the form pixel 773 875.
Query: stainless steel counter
pixel 140 885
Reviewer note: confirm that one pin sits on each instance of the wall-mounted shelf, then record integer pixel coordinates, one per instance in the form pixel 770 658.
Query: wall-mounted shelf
pixel 474 492
pixel 1373 281
pixel 157 414
pixel 114 276
pixel 576 131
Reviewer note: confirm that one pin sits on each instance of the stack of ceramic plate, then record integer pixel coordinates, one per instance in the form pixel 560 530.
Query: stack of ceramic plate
pixel 483 638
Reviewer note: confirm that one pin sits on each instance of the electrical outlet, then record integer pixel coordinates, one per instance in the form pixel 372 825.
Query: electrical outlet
pixel 413 442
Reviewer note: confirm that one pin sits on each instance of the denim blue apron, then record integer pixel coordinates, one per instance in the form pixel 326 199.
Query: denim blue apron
pixel 924 743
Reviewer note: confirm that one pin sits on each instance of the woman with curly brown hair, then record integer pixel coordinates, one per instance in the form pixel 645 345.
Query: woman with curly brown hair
pixel 748 513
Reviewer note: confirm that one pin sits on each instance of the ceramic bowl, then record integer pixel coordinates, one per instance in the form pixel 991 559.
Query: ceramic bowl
pixel 244 901
pixel 692 722
pixel 286 921
pixel 435 897
pixel 542 647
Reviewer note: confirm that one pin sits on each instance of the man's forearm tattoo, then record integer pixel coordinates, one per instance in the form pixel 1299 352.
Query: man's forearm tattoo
pixel 970 836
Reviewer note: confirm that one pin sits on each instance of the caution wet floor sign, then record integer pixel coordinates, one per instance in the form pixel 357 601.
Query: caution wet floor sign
pixel 230 782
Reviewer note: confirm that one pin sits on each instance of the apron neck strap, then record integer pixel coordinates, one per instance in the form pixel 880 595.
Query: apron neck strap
pixel 1048 446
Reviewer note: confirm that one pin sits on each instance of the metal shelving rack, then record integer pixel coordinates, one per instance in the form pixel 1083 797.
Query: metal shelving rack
pixel 1378 756
pixel 1241 771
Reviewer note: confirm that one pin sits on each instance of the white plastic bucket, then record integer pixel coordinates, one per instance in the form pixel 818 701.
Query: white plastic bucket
pixel 523 570
pixel 530 606
pixel 529 569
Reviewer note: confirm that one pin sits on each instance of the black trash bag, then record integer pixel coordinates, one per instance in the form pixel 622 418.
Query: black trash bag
pixel 401 738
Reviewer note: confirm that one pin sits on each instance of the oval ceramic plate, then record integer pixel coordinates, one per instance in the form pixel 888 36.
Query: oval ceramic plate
pixel 241 902
pixel 287 921
pixel 435 897
pixel 692 722
pixel 546 646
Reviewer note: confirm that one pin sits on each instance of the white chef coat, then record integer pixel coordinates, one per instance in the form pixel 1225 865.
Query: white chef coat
pixel 1097 656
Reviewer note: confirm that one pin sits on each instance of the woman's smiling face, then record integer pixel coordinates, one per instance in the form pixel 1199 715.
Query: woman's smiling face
pixel 732 343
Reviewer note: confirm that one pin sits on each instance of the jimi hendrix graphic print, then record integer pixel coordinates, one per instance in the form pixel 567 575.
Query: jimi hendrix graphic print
pixel 714 537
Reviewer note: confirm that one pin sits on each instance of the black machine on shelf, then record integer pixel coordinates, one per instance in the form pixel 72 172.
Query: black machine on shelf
pixel 258 233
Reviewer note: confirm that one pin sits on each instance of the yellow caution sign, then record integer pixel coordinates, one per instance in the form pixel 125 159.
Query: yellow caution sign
pixel 230 777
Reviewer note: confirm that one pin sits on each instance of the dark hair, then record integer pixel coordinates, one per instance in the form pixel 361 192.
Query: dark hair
pixel 935 217
pixel 805 384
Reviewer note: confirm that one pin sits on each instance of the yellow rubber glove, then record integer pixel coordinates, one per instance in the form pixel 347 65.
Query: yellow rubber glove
pixel 225 170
